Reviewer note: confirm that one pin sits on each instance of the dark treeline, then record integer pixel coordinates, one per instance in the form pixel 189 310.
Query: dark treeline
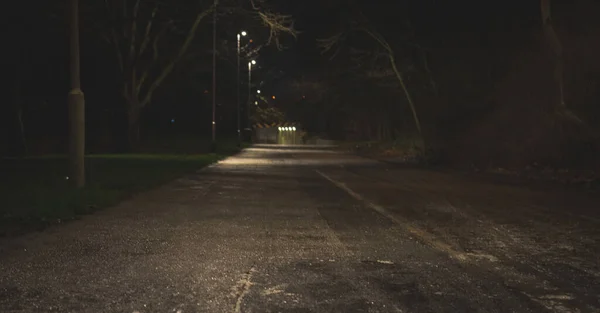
pixel 488 83
pixel 140 73
pixel 484 78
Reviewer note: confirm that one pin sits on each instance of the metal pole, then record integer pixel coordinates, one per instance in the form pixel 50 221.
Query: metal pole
pixel 76 102
pixel 214 87
pixel 249 92
pixel 249 82
pixel 239 134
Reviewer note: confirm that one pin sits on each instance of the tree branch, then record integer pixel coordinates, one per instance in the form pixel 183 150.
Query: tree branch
pixel 146 72
pixel 146 39
pixel 182 50
pixel 115 41
pixel 136 9
pixel 278 24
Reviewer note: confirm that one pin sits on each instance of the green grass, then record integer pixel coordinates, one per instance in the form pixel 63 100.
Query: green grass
pixel 34 192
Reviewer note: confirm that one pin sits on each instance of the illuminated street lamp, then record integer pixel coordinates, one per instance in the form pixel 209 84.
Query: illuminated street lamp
pixel 258 91
pixel 239 121
pixel 253 62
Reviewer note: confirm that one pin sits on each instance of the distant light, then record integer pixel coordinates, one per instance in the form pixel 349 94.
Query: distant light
pixel 287 128
pixel 244 33
pixel 172 120
pixel 255 102
pixel 258 91
pixel 273 97
pixel 253 62
pixel 293 128
pixel 251 40
pixel 303 97
pixel 279 128
pixel 67 177
pixel 213 123
pixel 205 91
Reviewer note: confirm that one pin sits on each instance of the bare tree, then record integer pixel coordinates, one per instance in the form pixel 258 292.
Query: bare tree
pixel 361 24
pixel 138 31
pixel 149 42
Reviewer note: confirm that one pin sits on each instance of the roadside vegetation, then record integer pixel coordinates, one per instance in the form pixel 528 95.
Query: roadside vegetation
pixel 35 192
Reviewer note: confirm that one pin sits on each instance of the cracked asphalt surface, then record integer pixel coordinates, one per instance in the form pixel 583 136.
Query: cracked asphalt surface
pixel 281 229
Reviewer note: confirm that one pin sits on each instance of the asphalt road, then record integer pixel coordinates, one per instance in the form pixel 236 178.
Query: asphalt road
pixel 310 230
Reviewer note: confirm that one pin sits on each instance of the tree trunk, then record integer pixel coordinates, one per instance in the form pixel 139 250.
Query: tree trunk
pixel 557 52
pixel 133 127
pixel 407 94
pixel 22 138
pixel 560 107
pixel 19 117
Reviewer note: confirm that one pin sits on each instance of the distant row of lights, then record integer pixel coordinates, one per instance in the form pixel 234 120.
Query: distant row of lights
pixel 287 129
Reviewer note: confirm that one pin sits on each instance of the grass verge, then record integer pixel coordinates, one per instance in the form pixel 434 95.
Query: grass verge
pixel 408 150
pixel 35 193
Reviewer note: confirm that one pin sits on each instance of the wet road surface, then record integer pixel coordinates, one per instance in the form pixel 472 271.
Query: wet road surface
pixel 311 230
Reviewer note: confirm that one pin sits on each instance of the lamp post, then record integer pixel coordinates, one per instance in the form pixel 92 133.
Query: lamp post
pixel 253 62
pixel 250 79
pixel 76 104
pixel 214 79
pixel 239 121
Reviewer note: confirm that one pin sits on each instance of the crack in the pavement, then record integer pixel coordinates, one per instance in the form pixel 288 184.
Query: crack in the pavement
pixel 241 289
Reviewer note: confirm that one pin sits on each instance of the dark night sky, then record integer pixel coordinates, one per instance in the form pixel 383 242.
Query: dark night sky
pixel 317 19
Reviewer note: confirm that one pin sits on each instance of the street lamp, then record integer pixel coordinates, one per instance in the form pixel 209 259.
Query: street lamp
pixel 253 62
pixel 258 91
pixel 214 78
pixel 239 121
pixel 76 104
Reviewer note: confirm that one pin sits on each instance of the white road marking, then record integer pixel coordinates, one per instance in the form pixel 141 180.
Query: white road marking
pixel 425 237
